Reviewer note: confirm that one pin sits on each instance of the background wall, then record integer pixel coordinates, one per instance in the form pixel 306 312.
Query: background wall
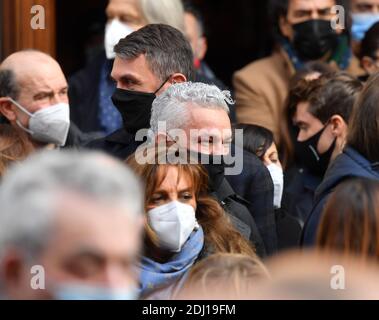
pixel 237 31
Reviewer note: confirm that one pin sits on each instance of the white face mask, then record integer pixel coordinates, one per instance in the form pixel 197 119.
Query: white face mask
pixel 72 291
pixel 49 125
pixel 115 30
pixel 277 177
pixel 173 223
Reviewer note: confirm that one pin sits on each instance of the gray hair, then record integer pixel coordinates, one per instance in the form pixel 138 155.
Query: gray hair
pixel 30 190
pixel 168 12
pixel 174 104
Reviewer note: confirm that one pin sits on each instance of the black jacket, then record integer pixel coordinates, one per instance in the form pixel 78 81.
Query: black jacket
pixel 77 139
pixel 255 185
pixel 299 192
pixel 84 95
pixel 240 216
pixel 120 144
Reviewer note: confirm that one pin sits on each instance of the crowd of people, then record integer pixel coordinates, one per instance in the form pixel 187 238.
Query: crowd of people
pixel 144 177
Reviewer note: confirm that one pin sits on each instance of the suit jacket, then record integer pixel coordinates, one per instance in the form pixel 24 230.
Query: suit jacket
pixel 84 95
pixel 120 144
pixel 255 186
pixel 240 216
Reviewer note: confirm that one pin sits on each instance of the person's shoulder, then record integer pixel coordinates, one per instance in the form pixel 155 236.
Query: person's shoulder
pixel 100 142
pixel 261 66
pixel 349 164
pixel 96 144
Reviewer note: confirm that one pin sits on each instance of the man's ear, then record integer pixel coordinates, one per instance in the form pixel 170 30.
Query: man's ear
pixel 7 109
pixel 178 78
pixel 339 131
pixel 285 28
pixel 339 126
pixel 175 78
pixel 368 65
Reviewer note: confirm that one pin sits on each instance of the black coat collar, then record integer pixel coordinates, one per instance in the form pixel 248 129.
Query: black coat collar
pixel 121 136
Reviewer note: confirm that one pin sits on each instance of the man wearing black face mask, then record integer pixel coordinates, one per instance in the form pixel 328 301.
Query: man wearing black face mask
pixel 306 30
pixel 147 62
pixel 321 115
pixel 194 117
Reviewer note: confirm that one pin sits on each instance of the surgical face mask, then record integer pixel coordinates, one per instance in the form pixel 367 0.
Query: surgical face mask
pixel 313 39
pixel 362 22
pixel 277 177
pixel 49 125
pixel 173 223
pixel 90 292
pixel 115 30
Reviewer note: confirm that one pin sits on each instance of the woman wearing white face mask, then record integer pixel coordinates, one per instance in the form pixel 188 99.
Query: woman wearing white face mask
pixel 183 224
pixel 260 141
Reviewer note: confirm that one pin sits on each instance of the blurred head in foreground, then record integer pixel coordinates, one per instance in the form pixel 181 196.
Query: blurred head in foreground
pixel 290 276
pixel 224 276
pixel 70 228
pixel 350 221
pixel 319 276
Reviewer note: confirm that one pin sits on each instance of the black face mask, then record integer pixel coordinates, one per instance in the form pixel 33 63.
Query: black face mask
pixel 313 39
pixel 307 154
pixel 216 173
pixel 215 167
pixel 135 107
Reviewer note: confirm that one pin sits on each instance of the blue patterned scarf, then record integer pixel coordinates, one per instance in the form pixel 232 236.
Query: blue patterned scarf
pixel 342 55
pixel 154 275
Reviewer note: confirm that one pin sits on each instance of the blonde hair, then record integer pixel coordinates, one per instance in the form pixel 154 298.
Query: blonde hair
pixel 237 273
pixel 170 12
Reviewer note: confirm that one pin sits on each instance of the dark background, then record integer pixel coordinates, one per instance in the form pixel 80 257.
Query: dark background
pixel 238 33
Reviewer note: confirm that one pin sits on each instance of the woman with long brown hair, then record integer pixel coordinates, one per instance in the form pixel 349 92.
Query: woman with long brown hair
pixel 350 221
pixel 184 223
pixel 14 146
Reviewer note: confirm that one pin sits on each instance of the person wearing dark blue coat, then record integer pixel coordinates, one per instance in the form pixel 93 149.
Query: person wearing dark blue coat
pixel 321 111
pixel 359 159
pixel 350 164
